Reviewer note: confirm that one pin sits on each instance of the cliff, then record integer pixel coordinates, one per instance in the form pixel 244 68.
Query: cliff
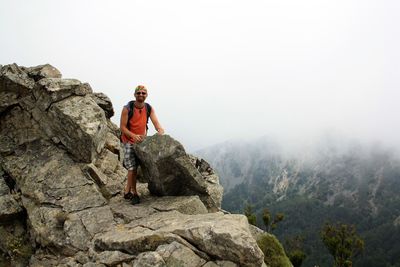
pixel 61 179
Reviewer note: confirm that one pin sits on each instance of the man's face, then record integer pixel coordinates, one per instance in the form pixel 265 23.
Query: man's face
pixel 141 95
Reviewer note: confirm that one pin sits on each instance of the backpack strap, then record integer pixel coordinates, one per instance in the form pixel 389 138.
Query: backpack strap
pixel 131 108
pixel 148 112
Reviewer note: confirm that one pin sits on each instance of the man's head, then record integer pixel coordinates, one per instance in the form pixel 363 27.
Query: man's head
pixel 140 93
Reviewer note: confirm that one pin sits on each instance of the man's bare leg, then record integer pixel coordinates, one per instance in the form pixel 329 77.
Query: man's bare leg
pixel 131 182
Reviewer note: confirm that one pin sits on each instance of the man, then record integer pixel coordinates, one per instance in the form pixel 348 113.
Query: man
pixel 134 132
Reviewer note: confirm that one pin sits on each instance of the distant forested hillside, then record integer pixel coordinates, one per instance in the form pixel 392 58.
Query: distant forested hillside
pixel 331 181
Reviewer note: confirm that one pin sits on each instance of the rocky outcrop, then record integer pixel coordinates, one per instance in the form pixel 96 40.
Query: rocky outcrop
pixel 61 177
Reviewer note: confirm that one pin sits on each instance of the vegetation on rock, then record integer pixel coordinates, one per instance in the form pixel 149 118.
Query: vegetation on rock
pixel 274 254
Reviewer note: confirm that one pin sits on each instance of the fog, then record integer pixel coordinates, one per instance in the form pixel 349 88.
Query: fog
pixel 225 70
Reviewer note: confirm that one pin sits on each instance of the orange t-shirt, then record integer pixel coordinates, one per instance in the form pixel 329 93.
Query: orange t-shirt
pixel 137 124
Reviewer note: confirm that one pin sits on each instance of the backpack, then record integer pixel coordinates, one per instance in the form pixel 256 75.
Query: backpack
pixel 131 109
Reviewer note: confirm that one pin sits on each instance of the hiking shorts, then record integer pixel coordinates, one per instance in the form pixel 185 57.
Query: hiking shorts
pixel 131 161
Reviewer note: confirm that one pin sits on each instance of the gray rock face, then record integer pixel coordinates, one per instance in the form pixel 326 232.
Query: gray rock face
pixel 9 207
pixel 62 155
pixel 170 171
pixel 176 254
pixel 105 103
pixel 226 237
pixel 4 189
pixel 15 84
pixel 43 71
pixel 83 135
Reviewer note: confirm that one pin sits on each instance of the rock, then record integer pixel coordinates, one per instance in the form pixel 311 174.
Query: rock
pixel 69 262
pixel 126 212
pixel 96 219
pixel 14 243
pixel 43 71
pixel 7 99
pixel 46 228
pixel 75 232
pixel 81 257
pixel 133 240
pixel 110 184
pixel 183 204
pixel 51 90
pixel 256 232
pixel 220 264
pixel 210 264
pixel 58 180
pixel 9 207
pixel 149 259
pixel 175 254
pixel 18 128
pixel 15 80
pixel 83 136
pixel 170 171
pixel 53 188
pixel 113 144
pixel 15 85
pixel 105 103
pixel 112 258
pixel 92 264
pixel 4 189
pixel 226 264
pixel 226 237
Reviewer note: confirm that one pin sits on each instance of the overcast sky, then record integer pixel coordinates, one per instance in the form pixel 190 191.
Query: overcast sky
pixel 221 70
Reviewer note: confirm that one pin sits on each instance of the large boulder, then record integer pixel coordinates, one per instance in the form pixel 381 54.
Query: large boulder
pixel 170 171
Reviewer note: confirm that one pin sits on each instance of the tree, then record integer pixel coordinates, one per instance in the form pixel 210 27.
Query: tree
pixel 251 217
pixel 342 242
pixel 269 226
pixel 294 250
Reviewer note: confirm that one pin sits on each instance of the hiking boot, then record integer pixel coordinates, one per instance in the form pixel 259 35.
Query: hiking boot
pixel 135 199
pixel 128 195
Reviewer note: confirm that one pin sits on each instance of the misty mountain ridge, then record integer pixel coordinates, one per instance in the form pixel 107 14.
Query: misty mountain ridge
pixel 330 179
pixel 237 161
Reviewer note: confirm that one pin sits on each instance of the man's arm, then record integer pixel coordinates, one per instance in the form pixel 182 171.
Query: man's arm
pixel 124 129
pixel 155 122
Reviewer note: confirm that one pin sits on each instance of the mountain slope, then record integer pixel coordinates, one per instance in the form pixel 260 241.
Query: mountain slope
pixel 329 181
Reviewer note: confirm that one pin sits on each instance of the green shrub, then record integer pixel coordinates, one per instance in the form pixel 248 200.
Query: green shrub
pixel 274 255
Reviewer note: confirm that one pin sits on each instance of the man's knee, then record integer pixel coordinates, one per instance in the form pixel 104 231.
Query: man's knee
pixel 132 172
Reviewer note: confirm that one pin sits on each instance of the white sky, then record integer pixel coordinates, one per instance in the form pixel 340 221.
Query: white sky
pixel 219 70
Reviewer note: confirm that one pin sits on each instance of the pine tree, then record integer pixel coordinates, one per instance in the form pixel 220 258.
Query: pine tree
pixel 295 251
pixel 271 225
pixel 342 242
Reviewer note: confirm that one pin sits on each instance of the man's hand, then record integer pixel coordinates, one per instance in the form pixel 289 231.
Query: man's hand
pixel 160 131
pixel 137 138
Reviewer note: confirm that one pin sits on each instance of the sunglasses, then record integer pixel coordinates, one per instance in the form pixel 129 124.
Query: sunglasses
pixel 141 93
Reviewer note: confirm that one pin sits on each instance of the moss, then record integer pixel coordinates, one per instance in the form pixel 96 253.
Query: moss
pixel 274 254
pixel 17 247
